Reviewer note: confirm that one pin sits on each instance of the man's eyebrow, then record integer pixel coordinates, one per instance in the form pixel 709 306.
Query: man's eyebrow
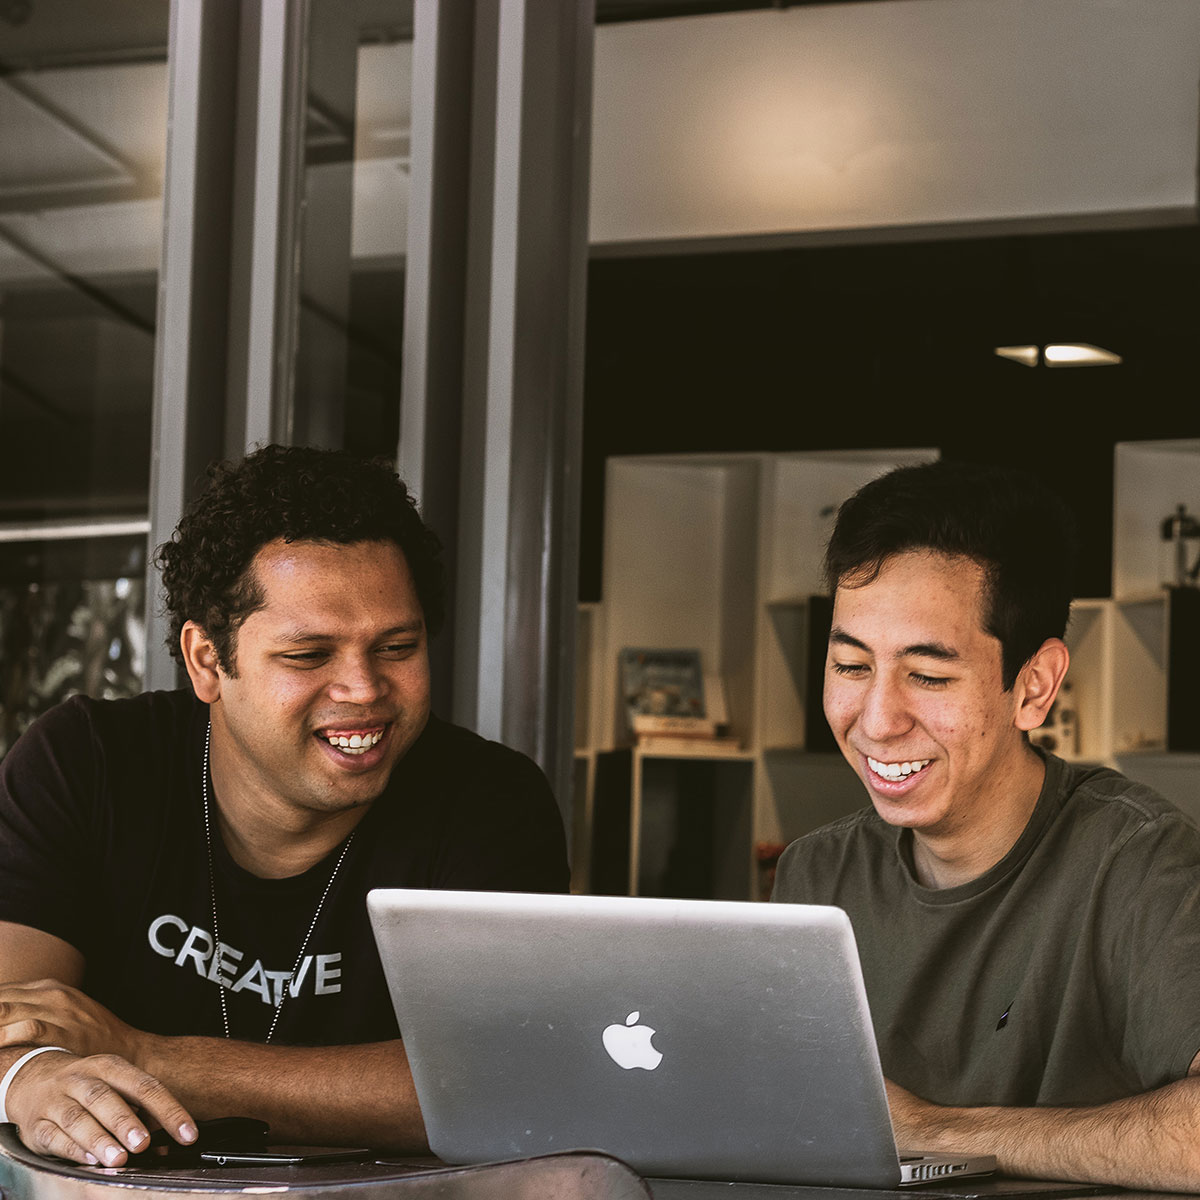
pixel 938 650
pixel 303 636
pixel 839 637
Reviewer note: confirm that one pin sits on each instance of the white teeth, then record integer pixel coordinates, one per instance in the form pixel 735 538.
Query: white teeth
pixel 898 770
pixel 355 743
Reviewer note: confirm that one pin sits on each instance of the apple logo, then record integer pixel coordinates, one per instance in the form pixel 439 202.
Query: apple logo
pixel 629 1045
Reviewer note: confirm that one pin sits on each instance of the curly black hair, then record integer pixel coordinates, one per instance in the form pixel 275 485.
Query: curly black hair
pixel 297 493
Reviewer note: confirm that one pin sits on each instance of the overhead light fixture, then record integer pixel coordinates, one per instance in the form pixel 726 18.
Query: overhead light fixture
pixel 1060 354
pixel 1078 354
pixel 1027 356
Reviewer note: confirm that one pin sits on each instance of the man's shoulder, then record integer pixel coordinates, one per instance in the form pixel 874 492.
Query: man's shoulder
pixel 487 811
pixel 863 823
pixel 82 719
pixel 455 760
pixel 444 745
pixel 854 842
pixel 1125 809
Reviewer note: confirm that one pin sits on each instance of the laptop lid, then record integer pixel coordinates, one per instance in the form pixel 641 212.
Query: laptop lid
pixel 703 1039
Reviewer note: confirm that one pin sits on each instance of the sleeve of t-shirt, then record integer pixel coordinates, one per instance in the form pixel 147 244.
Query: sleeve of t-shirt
pixel 509 837
pixel 47 830
pixel 1152 948
pixel 792 877
pixel 815 868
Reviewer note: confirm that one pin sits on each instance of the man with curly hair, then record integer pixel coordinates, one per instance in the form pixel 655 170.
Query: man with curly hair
pixel 183 929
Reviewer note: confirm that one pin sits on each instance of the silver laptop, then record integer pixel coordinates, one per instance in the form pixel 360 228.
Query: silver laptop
pixel 690 1038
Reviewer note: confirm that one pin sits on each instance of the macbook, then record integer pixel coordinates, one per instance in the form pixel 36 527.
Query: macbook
pixel 690 1038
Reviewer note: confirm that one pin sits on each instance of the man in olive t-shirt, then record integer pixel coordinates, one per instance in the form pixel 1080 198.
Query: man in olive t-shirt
pixel 1029 930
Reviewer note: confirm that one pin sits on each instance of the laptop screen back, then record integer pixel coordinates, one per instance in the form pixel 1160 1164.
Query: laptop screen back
pixel 703 1039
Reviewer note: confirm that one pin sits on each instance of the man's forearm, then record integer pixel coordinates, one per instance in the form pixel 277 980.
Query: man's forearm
pixel 325 1095
pixel 1151 1141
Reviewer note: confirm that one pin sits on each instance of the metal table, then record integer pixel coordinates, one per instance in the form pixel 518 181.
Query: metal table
pixel 572 1176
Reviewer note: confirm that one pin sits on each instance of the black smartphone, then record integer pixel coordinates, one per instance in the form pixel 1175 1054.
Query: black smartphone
pixel 273 1156
pixel 244 1133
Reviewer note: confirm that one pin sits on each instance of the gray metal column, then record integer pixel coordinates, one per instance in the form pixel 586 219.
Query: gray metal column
pixel 435 282
pixel 535 376
pixel 228 290
pixel 504 388
pixel 190 350
pixel 325 226
pixel 264 297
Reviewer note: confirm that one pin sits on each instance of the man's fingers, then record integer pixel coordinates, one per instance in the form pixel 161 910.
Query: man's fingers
pixel 86 1106
pixel 152 1097
pixel 17 1030
pixel 104 1100
pixel 45 993
pixel 107 1086
pixel 45 1137
pixel 53 1014
pixel 15 991
pixel 77 1110
pixel 24 1022
pixel 87 1141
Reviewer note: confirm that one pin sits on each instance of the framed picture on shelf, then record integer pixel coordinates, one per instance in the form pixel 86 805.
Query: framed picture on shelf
pixel 663 693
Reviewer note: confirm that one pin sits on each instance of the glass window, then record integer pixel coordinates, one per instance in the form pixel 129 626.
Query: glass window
pixel 83 99
pixel 354 233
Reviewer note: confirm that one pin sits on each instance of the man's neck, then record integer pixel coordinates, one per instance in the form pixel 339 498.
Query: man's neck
pixel 279 854
pixel 263 833
pixel 952 858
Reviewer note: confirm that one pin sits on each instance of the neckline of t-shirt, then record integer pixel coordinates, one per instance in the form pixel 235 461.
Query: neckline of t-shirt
pixel 230 870
pixel 1048 802
pixel 313 879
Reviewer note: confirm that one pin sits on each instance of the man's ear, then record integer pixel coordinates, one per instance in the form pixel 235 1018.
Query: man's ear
pixel 200 659
pixel 1038 683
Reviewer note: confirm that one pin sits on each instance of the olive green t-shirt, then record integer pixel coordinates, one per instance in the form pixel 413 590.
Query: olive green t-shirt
pixel 1067 974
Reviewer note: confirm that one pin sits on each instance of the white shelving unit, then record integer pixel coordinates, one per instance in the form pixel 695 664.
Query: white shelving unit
pixel 1089 639
pixel 1127 666
pixel 721 553
pixel 1150 479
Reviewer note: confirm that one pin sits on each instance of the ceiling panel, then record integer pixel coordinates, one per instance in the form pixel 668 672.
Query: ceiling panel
pixel 41 153
pixel 82 31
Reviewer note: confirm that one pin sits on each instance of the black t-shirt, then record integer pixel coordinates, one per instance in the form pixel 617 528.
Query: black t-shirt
pixel 102 844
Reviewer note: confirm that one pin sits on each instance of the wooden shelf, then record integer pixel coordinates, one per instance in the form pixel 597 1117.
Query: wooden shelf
pixel 715 755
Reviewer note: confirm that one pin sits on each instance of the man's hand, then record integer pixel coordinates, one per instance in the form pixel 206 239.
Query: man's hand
pixel 911 1117
pixel 360 1095
pixel 87 1109
pixel 1150 1141
pixel 48 1013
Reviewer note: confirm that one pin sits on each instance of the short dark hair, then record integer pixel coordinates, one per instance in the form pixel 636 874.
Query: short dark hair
pixel 1006 520
pixel 296 493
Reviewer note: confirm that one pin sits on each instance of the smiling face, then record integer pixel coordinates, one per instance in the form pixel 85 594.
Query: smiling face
pixel 914 695
pixel 331 684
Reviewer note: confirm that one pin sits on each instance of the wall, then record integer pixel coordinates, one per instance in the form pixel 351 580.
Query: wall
pixel 906 112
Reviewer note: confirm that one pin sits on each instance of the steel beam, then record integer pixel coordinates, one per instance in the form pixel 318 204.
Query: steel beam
pixel 494 347
pixel 190 346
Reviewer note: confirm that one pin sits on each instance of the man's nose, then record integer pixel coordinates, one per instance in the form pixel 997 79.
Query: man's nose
pixel 358 681
pixel 885 713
